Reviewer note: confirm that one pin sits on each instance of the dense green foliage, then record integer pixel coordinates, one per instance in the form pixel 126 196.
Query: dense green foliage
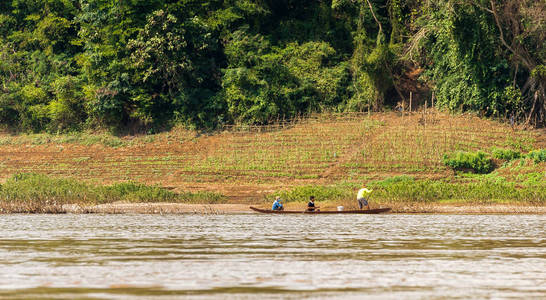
pixel 148 64
pixel 486 55
pixel 479 162
pixel 505 154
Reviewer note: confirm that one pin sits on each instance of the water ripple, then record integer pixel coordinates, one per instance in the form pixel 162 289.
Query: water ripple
pixel 240 256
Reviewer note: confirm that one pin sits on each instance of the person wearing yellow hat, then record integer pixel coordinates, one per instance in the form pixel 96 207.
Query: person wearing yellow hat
pixel 362 197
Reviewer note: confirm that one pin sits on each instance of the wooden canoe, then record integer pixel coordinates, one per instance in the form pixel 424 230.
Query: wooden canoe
pixel 362 211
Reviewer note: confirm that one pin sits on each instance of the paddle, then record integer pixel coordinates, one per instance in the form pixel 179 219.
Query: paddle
pixel 316 208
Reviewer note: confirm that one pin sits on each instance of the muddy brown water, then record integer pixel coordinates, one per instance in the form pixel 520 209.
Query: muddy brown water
pixel 249 256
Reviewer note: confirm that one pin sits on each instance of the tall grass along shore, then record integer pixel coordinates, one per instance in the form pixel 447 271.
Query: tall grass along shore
pixel 36 193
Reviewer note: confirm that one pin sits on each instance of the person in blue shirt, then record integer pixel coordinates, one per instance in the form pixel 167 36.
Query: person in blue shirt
pixel 277 205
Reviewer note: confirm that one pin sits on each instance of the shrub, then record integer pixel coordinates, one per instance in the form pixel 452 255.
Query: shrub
pixel 505 154
pixel 479 162
pixel 537 155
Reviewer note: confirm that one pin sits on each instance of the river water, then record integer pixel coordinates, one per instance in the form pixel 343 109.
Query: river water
pixel 249 256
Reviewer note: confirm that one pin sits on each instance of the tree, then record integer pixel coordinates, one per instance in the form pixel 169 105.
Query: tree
pixel 522 31
pixel 483 58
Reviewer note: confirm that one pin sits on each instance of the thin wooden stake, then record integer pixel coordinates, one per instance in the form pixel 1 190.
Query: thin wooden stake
pixel 410 98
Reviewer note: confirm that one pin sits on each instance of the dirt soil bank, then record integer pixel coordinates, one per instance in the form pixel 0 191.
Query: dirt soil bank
pixel 179 208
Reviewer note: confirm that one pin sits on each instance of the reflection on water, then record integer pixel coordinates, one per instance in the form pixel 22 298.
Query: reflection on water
pixel 275 256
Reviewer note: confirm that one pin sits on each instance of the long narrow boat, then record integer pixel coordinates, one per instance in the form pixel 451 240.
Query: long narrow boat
pixel 363 211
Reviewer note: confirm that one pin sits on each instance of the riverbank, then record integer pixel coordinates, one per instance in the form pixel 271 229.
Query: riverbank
pixel 183 208
pixel 401 157
pixel 35 193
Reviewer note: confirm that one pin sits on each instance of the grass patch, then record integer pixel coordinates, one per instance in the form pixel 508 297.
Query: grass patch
pixel 324 193
pixel 486 189
pixel 522 143
pixel 39 193
pixel 69 138
pixel 202 197
pixel 481 188
pixel 537 155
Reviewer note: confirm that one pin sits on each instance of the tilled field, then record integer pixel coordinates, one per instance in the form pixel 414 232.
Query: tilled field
pixel 248 163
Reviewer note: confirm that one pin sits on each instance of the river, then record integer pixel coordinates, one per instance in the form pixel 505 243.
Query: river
pixel 249 256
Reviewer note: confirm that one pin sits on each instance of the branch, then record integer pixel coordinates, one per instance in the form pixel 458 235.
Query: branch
pixel 484 8
pixel 376 20
pixel 495 15
pixel 414 41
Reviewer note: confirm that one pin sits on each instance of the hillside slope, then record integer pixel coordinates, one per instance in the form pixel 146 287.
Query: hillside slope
pixel 248 163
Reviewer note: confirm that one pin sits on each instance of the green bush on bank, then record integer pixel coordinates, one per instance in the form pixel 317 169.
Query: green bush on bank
pixel 479 162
